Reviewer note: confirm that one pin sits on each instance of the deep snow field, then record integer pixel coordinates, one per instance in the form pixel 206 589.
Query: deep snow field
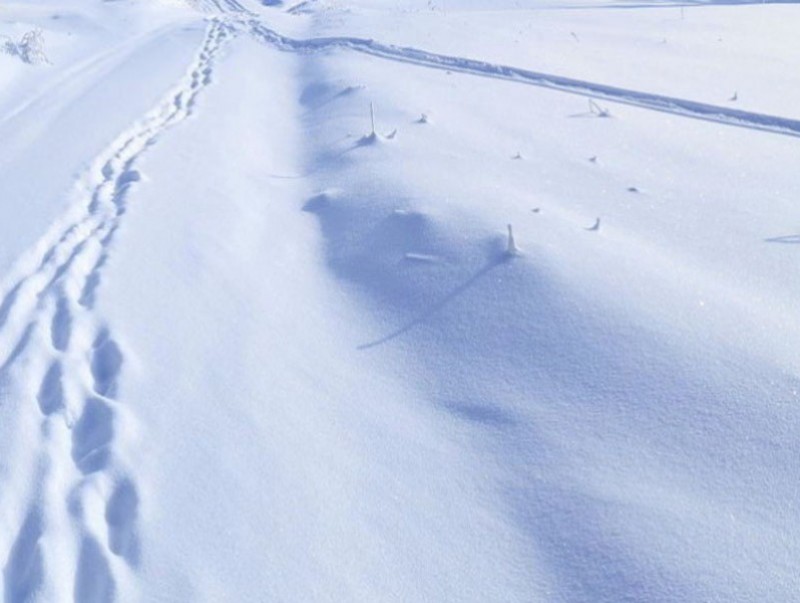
pixel 251 350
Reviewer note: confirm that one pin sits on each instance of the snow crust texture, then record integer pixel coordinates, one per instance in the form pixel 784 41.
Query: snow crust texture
pixel 355 300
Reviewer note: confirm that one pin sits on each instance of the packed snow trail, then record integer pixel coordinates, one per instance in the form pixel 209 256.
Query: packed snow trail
pixel 76 531
pixel 645 100
pixel 219 6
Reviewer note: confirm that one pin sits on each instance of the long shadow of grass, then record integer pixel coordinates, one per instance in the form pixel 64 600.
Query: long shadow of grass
pixel 441 303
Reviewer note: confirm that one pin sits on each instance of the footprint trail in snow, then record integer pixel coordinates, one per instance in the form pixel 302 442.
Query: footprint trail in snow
pixel 68 520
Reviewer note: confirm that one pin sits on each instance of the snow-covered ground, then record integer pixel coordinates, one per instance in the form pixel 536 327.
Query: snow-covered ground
pixel 251 350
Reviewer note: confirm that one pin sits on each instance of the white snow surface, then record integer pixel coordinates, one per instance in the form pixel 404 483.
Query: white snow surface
pixel 253 350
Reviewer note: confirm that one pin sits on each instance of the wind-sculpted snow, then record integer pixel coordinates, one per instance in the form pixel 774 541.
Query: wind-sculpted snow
pixel 53 342
pixel 357 331
pixel 645 100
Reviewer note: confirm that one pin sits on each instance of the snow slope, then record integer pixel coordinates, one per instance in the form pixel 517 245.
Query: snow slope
pixel 251 350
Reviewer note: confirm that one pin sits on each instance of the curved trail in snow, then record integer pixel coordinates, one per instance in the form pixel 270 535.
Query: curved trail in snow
pixel 645 100
pixel 220 6
pixel 73 510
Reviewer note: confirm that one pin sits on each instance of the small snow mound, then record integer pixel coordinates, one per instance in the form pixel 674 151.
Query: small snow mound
pixel 319 202
pixel 368 139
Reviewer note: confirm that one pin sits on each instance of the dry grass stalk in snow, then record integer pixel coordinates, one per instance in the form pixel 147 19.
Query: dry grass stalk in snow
pixel 30 47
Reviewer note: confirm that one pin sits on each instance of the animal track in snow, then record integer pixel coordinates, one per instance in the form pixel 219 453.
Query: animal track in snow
pixel 61 327
pixel 106 364
pixel 49 337
pixel 89 291
pixel 121 516
pixel 51 393
pixel 23 574
pixel 92 435
pixel 93 580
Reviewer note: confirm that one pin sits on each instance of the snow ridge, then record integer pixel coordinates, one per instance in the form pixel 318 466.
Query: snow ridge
pixel 645 100
pixel 78 524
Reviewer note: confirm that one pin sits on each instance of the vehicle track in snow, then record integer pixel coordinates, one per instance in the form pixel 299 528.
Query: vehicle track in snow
pixel 645 100
pixel 220 6
pixel 70 517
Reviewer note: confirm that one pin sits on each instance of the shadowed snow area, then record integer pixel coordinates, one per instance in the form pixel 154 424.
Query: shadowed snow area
pixel 421 300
